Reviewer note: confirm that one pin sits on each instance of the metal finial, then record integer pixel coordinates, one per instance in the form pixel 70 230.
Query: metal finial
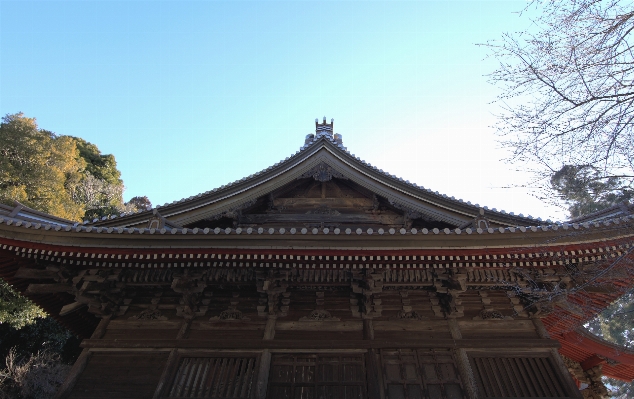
pixel 324 119
pixel 316 120
pixel 332 120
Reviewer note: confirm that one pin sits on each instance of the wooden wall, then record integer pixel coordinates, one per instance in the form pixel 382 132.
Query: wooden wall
pixel 278 357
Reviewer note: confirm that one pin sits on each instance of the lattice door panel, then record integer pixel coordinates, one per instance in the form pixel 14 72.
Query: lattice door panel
pixel 518 376
pixel 410 374
pixel 214 377
pixel 316 376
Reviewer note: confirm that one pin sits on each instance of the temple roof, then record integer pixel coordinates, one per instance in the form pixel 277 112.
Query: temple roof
pixel 322 158
pixel 324 208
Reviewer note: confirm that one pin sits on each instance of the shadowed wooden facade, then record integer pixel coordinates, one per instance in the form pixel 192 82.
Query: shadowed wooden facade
pixel 320 277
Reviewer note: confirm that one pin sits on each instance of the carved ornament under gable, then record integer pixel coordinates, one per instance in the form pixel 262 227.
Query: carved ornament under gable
pixel 323 173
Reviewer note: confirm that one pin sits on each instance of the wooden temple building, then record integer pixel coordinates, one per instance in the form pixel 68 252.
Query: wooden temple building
pixel 325 277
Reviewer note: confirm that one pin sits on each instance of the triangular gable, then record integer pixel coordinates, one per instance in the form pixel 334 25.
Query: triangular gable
pixel 324 158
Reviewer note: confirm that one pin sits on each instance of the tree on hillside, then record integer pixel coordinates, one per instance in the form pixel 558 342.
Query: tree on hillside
pixel 62 175
pixel 38 168
pixel 568 93
pixel 67 177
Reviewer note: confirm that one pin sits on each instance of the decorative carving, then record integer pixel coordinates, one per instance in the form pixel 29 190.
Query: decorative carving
pixel 231 314
pixel 490 314
pixel 409 214
pixel 365 299
pixel 319 315
pixel 233 212
pixel 274 300
pixel 446 301
pixel 102 291
pixel 323 172
pixel 191 288
pixel 409 315
pixel 149 314
pixel 324 210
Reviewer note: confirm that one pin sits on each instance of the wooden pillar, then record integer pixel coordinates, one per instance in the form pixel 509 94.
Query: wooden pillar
pixel 269 329
pixel 570 384
pixel 368 329
pixel 170 365
pixel 541 330
pixel 462 362
pixel 184 330
pixel 73 375
pixel 263 374
pixel 372 368
pixel 82 360
pixel 265 360
pixel 100 331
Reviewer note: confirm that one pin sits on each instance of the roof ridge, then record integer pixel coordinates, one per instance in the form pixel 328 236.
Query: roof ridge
pixel 326 135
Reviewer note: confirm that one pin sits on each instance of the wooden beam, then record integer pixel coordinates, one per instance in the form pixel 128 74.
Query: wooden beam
pixel 269 329
pixel 100 331
pixel 263 374
pixel 171 364
pixel 25 272
pixel 38 289
pixel 593 361
pixel 72 377
pixel 373 372
pixel 70 308
pixel 323 344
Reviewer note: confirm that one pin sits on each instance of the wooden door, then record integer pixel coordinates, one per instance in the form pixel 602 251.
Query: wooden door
pixel 410 374
pixel 317 376
pixel 216 377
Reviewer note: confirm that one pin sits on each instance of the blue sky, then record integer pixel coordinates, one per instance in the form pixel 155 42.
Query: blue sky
pixel 192 95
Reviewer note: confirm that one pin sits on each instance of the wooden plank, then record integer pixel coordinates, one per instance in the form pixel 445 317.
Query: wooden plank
pixel 101 328
pixel 120 375
pixel 37 289
pixel 70 308
pixel 411 325
pixel 145 324
pixel 356 325
pixel 228 326
pixel 172 362
pixel 73 375
pixel 28 273
pixel 524 344
pixel 373 374
pixel 496 325
pixel 269 330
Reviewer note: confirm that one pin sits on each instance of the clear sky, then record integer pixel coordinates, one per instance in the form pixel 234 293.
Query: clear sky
pixel 192 95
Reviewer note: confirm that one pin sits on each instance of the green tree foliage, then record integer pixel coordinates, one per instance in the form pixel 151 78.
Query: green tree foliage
pixel 38 168
pixel 15 310
pixel 62 175
pixel 66 177
pixel 140 203
pixel 585 190
pixel 101 188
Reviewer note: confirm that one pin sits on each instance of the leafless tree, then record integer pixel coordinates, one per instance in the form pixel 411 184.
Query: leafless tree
pixel 568 89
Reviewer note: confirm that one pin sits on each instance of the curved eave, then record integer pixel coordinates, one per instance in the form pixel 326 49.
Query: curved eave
pixel 584 347
pixel 532 237
pixel 226 193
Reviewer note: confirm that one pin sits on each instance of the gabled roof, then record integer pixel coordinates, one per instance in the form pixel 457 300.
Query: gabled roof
pixel 323 150
pixel 615 211
pixel 23 212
